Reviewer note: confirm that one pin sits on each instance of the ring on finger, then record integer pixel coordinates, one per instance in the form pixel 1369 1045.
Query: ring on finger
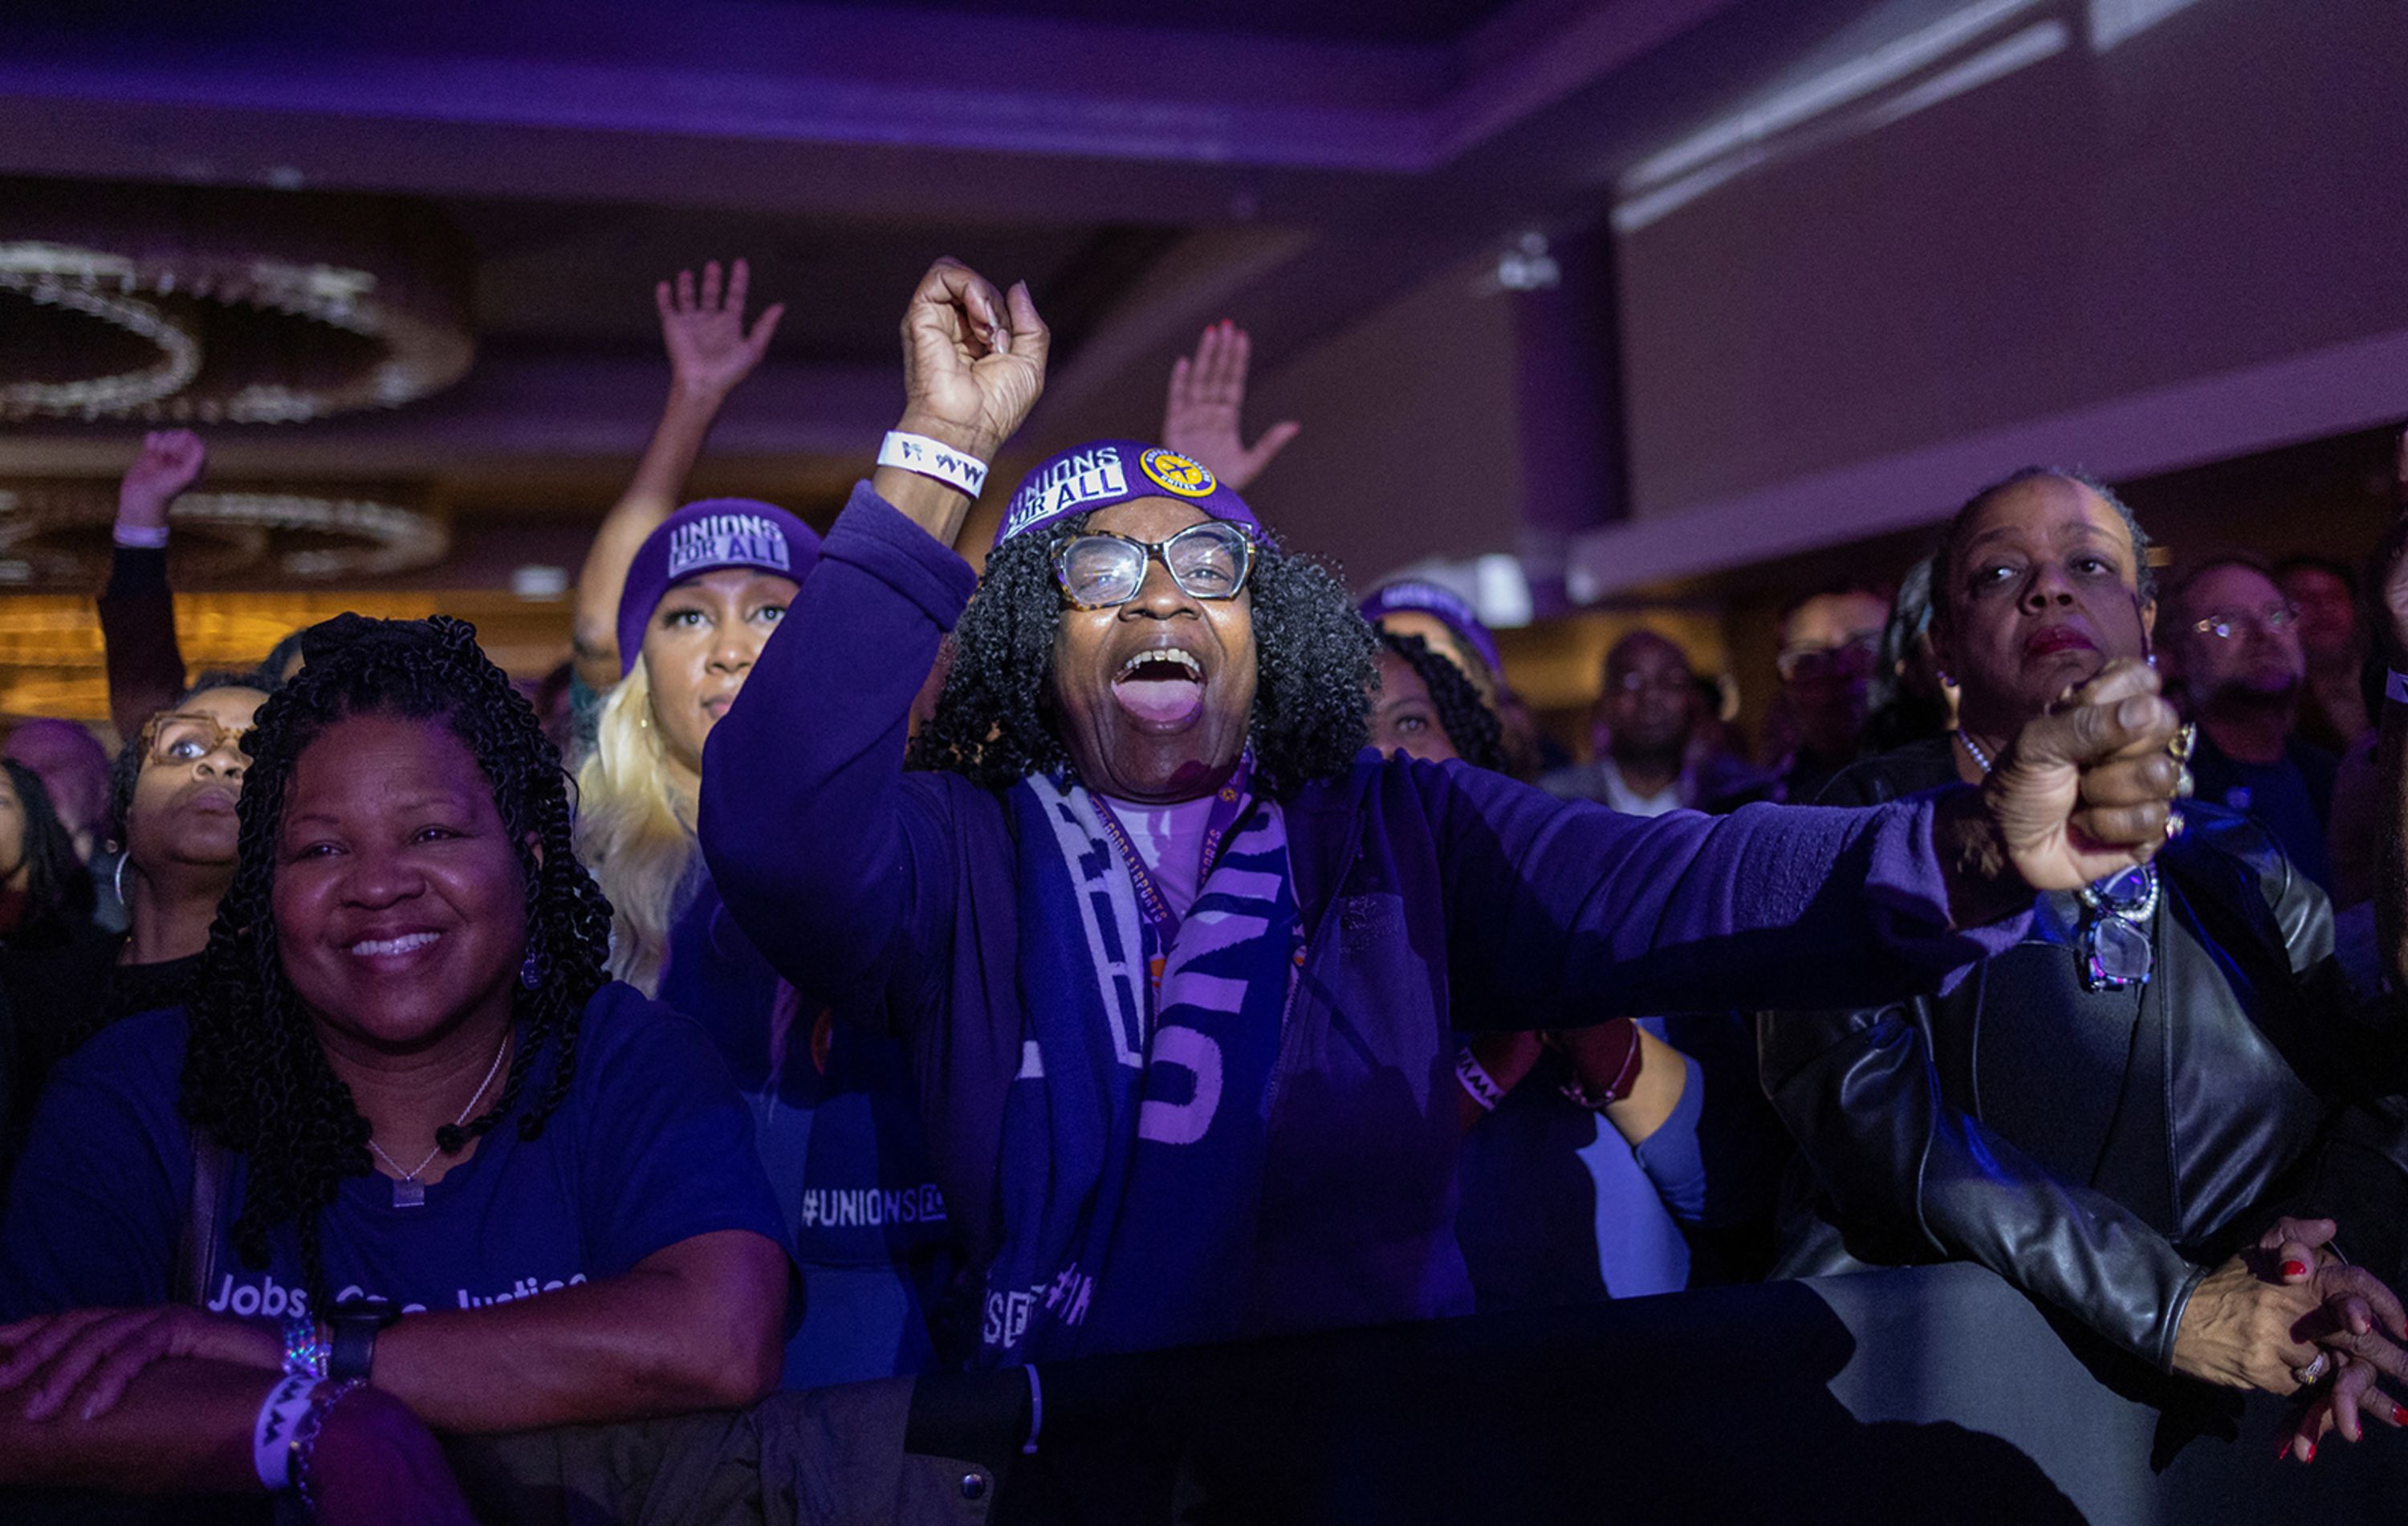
pixel 2312 1372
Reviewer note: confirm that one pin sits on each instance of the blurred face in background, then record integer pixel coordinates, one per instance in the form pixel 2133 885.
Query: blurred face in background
pixel 2239 637
pixel 2327 616
pixel 1650 703
pixel 1404 718
pixel 193 764
pixel 74 769
pixel 1826 658
pixel 1441 638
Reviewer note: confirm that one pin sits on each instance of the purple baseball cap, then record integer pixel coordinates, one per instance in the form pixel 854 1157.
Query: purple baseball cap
pixel 1441 604
pixel 704 538
pixel 1104 472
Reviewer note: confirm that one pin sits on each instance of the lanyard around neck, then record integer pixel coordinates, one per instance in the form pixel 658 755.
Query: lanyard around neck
pixel 1229 804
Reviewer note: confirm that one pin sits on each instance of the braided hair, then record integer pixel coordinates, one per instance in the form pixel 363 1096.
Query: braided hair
pixel 256 1076
pixel 995 717
pixel 1473 729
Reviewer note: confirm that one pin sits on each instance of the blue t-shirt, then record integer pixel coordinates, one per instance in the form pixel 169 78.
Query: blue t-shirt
pixel 837 1120
pixel 651 1147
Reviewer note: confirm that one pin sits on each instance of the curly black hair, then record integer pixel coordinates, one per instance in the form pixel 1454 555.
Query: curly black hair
pixel 58 889
pixel 126 770
pixel 1478 736
pixel 255 1077
pixel 994 718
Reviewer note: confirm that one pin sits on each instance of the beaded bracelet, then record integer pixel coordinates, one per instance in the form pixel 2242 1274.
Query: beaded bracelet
pixel 305 1438
pixel 306 1351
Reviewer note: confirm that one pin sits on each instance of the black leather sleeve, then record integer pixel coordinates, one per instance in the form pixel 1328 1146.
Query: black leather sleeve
pixel 1857 1091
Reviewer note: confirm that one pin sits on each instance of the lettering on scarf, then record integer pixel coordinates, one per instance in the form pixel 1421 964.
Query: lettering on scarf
pixel 1182 1122
pixel 1065 1298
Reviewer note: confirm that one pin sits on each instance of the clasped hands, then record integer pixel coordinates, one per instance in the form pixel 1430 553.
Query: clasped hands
pixel 2291 1309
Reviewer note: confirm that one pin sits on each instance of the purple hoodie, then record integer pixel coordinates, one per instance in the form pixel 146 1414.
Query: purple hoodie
pixel 1433 896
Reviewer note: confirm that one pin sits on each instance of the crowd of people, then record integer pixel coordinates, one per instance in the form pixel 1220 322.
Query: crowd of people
pixel 862 966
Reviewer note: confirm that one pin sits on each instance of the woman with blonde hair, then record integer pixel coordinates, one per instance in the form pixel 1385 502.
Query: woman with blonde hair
pixel 702 593
pixel 837 1124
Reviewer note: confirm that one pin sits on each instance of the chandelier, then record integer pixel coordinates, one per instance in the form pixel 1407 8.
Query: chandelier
pixel 54 535
pixel 187 305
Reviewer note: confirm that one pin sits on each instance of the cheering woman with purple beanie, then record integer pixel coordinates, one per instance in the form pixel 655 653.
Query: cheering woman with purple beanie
pixel 1176 955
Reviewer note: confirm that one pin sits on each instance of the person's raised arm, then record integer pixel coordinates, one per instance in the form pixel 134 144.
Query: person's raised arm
pixel 710 351
pixel 137 612
pixel 1208 394
pixel 1561 912
pixel 829 857
pixel 973 366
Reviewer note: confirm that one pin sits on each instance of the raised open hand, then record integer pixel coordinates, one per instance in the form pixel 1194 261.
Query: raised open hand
pixel 170 462
pixel 1208 392
pixel 973 359
pixel 2087 788
pixel 710 349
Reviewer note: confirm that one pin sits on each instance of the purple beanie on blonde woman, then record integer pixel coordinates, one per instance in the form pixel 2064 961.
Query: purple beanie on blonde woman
pixel 703 538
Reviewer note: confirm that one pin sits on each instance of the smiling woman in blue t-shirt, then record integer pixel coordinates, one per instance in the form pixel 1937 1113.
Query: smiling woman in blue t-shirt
pixel 456 1167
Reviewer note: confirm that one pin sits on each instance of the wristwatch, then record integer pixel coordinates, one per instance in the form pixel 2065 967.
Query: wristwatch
pixel 356 1325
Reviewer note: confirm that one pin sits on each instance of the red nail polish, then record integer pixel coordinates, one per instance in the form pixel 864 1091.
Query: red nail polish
pixel 2293 1268
pixel 2399 1415
pixel 2312 1453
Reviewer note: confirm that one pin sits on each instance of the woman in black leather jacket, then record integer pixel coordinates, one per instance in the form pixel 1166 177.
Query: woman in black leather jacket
pixel 2111 1114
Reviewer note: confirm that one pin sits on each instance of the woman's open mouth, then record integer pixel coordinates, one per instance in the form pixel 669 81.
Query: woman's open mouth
pixel 1163 687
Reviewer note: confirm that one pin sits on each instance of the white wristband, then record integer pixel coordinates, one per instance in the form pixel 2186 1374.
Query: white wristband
pixel 271 1434
pixel 933 459
pixel 1477 1081
pixel 141 537
pixel 2395 687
